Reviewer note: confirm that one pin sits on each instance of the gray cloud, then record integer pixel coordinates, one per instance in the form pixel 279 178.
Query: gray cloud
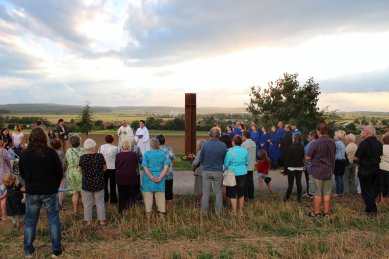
pixel 181 29
pixel 377 81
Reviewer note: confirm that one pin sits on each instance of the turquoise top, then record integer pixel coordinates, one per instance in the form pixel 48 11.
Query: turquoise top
pixel 240 161
pixel 169 154
pixel 340 150
pixel 154 160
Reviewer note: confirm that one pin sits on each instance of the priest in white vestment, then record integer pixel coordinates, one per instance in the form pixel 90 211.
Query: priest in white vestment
pixel 142 137
pixel 125 132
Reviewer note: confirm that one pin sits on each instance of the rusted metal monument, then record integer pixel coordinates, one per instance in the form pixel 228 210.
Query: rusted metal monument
pixel 190 125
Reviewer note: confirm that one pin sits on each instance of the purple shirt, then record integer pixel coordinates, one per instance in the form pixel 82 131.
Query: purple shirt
pixel 126 164
pixel 322 154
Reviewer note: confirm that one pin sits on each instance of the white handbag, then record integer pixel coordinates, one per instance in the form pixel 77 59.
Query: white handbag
pixel 229 175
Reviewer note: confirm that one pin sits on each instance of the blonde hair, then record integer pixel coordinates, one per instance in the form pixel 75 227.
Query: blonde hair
pixel 126 144
pixel 200 143
pixel 10 179
pixel 340 134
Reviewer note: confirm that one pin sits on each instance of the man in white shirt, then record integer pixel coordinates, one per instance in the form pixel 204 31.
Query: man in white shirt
pixel 125 132
pixel 142 137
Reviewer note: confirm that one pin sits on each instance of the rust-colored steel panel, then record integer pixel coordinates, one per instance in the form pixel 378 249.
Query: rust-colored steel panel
pixel 190 123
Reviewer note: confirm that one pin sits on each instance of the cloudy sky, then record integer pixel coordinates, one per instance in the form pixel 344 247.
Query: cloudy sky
pixel 152 52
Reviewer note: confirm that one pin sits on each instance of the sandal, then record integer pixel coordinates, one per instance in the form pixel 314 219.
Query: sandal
pixel 314 215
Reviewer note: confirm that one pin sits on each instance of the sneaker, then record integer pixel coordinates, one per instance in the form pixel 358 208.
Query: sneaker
pixel 33 255
pixel 57 254
pixel 306 195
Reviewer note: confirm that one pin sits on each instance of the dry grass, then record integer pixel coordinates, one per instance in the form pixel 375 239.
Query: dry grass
pixel 269 229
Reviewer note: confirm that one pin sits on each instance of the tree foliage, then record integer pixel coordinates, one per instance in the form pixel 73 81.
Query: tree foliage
pixel 86 120
pixel 287 100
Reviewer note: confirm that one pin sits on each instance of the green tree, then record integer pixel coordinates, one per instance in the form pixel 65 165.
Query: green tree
pixel 287 100
pixel 86 120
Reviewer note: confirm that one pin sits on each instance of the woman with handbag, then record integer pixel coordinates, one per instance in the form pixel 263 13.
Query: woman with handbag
pixel 236 161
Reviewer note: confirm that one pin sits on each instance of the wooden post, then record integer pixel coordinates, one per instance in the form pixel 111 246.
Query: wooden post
pixel 190 124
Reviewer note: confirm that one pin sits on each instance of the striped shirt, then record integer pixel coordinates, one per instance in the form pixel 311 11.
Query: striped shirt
pixel 322 154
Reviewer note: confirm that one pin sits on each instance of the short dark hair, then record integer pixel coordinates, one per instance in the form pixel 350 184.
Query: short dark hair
pixel 60 120
pixel 75 141
pixel 247 134
pixel 109 138
pixel 238 140
pixel 142 121
pixel 226 139
pixel 56 143
pixel 323 128
pixel 313 133
pixel 38 122
pixel 161 139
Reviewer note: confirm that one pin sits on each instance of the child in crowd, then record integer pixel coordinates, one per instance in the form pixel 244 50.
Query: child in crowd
pixel 263 166
pixel 56 143
pixel 15 198
pixel 3 202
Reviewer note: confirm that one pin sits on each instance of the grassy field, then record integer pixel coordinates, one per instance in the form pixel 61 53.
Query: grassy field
pixel 268 229
pixel 106 117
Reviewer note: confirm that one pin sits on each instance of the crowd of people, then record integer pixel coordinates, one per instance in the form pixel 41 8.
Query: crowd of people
pixel 139 170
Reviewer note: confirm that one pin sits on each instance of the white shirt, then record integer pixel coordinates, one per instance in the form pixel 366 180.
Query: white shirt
pixel 384 165
pixel 109 152
pixel 125 133
pixel 144 142
pixel 17 139
pixel 351 148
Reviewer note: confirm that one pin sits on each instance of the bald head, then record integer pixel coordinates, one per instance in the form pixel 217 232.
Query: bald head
pixel 214 132
pixel 369 131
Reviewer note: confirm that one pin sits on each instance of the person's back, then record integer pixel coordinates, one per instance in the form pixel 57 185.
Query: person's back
pixel 109 152
pixel 42 173
pixel 295 156
pixel 251 147
pixel 322 152
pixel 212 155
pixel 126 168
pixel 369 153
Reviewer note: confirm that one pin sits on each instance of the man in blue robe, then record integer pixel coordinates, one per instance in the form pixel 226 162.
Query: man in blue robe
pixel 274 148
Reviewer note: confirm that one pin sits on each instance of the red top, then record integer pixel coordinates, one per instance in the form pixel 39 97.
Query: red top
pixel 263 167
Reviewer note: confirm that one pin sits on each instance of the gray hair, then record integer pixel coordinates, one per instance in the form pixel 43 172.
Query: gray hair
pixel 297 138
pixel 370 129
pixel 89 144
pixel 75 141
pixel 154 143
pixel 214 132
pixel 351 137
pixel 126 144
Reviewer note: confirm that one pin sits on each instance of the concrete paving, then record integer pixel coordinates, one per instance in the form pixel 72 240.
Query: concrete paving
pixel 184 182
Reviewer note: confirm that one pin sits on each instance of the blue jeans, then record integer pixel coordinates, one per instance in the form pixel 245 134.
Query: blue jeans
pixel 33 207
pixel 339 184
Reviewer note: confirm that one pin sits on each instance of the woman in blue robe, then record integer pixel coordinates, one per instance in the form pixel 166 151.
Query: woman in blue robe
pixel 264 140
pixel 274 149
pixel 256 136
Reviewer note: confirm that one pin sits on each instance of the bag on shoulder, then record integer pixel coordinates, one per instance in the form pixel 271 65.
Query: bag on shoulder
pixel 229 175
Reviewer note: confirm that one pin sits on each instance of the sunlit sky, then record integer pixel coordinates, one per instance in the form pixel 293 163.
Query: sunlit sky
pixel 147 53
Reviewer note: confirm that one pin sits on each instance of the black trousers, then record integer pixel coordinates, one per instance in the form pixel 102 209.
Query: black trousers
pixel 307 181
pixel 109 178
pixel 127 195
pixel 369 189
pixel 296 174
pixel 249 192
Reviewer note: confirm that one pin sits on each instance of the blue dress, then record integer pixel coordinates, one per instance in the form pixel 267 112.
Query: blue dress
pixel 237 131
pixel 264 141
pixel 274 150
pixel 154 160
pixel 231 134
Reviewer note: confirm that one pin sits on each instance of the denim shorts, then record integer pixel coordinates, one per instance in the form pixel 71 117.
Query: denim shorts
pixel 262 176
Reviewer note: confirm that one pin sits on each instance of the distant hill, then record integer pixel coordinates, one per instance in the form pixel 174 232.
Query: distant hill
pixel 48 108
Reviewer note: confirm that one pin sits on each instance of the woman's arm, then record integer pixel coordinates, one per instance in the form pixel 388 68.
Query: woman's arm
pixel 163 173
pixel 148 173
